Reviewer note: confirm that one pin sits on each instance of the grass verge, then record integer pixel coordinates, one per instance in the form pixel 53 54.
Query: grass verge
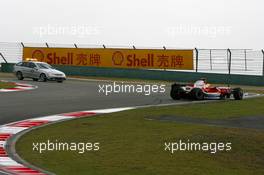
pixel 130 144
pixel 6 85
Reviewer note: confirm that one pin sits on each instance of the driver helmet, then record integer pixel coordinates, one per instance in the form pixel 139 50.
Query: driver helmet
pixel 204 80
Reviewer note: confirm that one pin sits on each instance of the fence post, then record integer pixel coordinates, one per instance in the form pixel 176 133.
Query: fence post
pixel 47 45
pixel 245 51
pixel 22 44
pixel 229 55
pixel 263 62
pixel 229 60
pixel 197 58
pixel 75 45
pixel 104 46
pixel 3 57
pixel 211 61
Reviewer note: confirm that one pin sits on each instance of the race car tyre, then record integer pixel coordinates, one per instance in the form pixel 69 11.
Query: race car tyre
pixel 35 79
pixel 197 94
pixel 60 81
pixel 223 97
pixel 43 77
pixel 176 92
pixel 238 93
pixel 19 76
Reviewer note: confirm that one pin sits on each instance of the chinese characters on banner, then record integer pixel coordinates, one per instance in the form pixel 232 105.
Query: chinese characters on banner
pixel 115 58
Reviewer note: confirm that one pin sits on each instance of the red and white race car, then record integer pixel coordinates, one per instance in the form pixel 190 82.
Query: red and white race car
pixel 201 90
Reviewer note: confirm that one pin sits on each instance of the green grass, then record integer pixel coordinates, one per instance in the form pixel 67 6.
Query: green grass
pixel 130 144
pixel 6 85
pixel 216 110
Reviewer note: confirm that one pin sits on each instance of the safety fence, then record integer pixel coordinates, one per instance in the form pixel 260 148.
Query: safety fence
pixel 223 61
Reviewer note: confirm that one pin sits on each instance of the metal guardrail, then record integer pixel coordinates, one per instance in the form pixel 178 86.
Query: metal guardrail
pixel 224 61
pixel 263 62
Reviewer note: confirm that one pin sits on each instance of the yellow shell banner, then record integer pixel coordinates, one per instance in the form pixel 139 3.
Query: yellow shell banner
pixel 114 58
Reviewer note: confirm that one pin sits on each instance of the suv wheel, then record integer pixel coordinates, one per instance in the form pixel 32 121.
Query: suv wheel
pixel 43 77
pixel 19 76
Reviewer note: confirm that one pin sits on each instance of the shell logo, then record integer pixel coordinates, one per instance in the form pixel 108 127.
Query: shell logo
pixel 118 58
pixel 39 55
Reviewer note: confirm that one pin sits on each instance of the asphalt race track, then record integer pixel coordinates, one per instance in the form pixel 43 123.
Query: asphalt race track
pixel 73 95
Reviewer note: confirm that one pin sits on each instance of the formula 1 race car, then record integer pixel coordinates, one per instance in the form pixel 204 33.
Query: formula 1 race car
pixel 201 90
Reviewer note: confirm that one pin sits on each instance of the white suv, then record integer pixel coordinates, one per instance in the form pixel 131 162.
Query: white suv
pixel 38 71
